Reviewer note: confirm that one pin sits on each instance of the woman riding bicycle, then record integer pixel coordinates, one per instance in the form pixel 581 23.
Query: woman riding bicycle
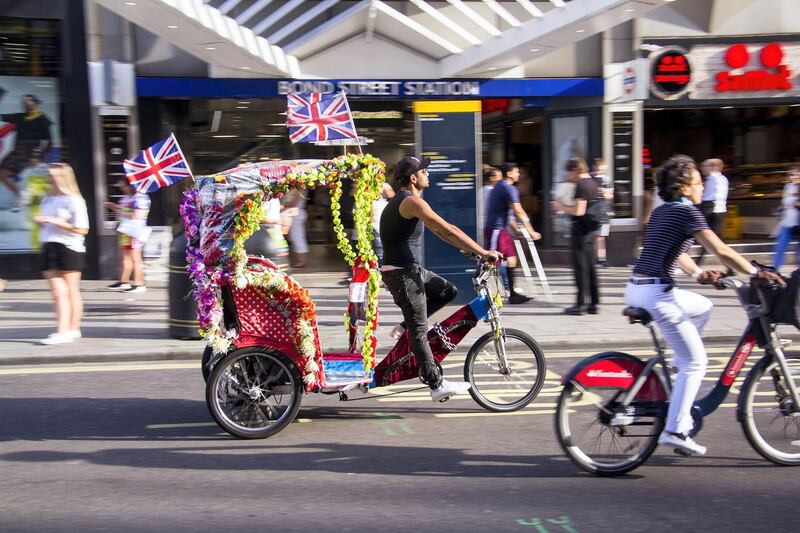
pixel 681 314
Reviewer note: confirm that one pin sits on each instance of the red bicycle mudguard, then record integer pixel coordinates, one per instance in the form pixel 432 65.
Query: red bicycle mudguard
pixel 614 370
pixel 400 364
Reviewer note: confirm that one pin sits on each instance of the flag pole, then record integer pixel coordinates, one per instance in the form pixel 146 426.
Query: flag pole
pixel 350 114
pixel 191 174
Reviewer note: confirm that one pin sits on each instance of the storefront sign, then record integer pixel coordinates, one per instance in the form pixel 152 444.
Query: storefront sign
pixel 416 89
pixel 774 76
pixel 447 134
pixel 670 73
pixel 383 88
pixel 625 82
pixel 727 71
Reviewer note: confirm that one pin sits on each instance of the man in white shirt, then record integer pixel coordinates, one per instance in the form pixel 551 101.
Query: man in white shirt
pixel 714 203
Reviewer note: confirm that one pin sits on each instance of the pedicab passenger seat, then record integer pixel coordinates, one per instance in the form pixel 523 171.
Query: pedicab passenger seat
pixel 637 315
pixel 260 321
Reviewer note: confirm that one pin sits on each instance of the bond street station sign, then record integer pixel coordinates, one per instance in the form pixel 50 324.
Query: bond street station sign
pixel 726 71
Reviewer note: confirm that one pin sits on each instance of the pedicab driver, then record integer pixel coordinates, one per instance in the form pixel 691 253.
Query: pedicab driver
pixel 418 292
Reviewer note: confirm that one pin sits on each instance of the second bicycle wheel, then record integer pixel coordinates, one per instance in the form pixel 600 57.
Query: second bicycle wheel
pixel 769 417
pixel 510 387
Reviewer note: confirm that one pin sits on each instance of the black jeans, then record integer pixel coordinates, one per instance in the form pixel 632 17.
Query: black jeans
pixel 716 221
pixel 583 260
pixel 419 293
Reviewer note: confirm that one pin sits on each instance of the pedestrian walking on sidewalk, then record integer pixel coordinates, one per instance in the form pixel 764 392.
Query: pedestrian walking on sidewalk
pixel 503 204
pixel 789 226
pixel 680 314
pixel 131 210
pixel 607 194
pixel 715 198
pixel 63 222
pixel 582 237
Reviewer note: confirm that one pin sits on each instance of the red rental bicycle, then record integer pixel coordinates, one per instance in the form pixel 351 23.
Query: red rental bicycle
pixel 613 405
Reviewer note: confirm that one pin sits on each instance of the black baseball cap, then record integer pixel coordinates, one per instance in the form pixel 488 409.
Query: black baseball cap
pixel 410 165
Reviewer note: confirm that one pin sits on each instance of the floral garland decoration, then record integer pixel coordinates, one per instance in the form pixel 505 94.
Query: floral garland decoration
pixel 367 172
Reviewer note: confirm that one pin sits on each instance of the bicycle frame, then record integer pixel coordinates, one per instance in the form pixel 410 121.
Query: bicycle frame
pixel 400 364
pixel 758 332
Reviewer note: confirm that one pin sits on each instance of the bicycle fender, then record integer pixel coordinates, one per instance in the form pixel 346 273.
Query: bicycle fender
pixel 615 370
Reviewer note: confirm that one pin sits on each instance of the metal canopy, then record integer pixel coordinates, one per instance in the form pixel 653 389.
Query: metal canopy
pixel 460 37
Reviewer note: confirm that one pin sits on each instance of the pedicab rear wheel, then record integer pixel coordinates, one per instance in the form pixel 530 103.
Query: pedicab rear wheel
pixel 254 392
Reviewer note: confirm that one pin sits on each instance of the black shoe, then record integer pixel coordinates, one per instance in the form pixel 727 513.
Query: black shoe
pixel 517 298
pixel 602 264
pixel 345 281
pixel 576 310
pixel 592 310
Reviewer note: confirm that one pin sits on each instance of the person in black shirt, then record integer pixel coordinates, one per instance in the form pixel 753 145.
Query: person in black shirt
pixel 582 237
pixel 680 314
pixel 418 292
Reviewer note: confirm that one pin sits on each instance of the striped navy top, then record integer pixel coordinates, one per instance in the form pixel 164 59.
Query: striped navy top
pixel 669 234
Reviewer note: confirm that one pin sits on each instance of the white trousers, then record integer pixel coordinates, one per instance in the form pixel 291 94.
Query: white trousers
pixel 681 316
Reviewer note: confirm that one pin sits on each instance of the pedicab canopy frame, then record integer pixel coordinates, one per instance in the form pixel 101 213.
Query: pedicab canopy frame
pixel 223 210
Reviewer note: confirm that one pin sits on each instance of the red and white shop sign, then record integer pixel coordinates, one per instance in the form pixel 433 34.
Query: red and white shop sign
pixel 773 75
pixel 744 70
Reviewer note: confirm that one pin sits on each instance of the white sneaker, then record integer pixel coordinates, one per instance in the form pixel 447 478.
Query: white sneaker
pixel 75 334
pixel 57 338
pixel 681 443
pixel 446 389
pixel 397 332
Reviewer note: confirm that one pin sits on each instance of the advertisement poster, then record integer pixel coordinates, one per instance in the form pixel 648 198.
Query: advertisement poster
pixel 447 137
pixel 570 138
pixel 29 138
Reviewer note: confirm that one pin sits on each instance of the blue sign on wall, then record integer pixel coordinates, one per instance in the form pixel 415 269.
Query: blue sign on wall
pixel 412 89
pixel 448 138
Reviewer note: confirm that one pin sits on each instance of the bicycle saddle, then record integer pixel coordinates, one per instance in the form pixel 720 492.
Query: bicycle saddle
pixel 637 314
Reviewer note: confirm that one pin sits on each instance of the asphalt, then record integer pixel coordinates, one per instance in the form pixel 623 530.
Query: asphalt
pixel 135 327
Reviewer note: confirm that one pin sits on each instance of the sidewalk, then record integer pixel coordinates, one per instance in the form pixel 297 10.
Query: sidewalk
pixel 120 327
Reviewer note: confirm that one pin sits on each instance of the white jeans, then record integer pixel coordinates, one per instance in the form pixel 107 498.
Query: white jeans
pixel 681 316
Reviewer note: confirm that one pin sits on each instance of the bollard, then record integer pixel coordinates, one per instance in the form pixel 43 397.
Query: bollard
pixel 183 322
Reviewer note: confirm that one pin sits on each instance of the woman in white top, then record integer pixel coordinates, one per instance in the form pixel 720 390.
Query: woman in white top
pixel 63 222
pixel 790 216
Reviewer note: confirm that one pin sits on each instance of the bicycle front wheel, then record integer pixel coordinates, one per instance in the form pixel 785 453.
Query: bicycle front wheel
pixel 770 419
pixel 505 387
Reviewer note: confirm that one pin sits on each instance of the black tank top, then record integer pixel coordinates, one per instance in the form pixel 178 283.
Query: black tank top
pixel 401 237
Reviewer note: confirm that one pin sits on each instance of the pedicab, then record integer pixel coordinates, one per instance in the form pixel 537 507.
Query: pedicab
pixel 264 352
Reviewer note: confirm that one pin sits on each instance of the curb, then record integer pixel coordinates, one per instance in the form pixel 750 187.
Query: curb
pixel 181 354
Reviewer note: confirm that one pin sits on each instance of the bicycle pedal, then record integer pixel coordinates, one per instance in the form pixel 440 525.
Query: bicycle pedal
pixel 444 399
pixel 681 453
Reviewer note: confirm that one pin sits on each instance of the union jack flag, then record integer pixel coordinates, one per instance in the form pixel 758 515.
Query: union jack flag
pixel 159 166
pixel 319 117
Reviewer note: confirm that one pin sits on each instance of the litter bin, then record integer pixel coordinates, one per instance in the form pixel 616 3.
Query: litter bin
pixel 183 322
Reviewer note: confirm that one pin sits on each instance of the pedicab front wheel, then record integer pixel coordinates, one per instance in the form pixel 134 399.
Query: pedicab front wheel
pixel 254 392
pixel 506 371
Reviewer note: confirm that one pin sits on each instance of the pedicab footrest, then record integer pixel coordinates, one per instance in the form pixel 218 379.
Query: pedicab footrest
pixel 341 368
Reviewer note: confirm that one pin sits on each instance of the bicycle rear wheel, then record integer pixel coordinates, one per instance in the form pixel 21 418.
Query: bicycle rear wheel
pixel 584 415
pixel 253 393
pixel 770 420
pixel 505 389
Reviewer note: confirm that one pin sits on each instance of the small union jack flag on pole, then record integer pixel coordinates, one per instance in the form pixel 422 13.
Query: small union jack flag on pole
pixel 313 117
pixel 159 166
